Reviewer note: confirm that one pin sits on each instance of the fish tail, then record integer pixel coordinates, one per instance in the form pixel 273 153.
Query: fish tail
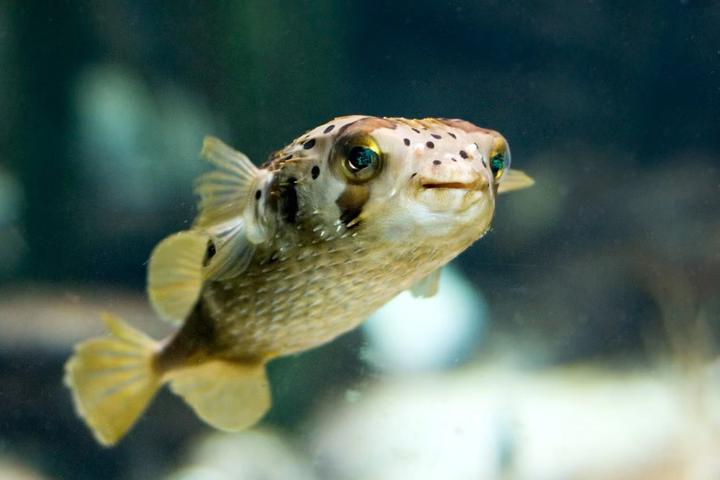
pixel 230 396
pixel 113 379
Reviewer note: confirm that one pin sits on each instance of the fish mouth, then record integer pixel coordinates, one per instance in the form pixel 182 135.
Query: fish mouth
pixel 475 185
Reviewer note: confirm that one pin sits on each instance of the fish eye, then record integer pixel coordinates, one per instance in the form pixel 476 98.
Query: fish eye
pixel 361 160
pixel 499 160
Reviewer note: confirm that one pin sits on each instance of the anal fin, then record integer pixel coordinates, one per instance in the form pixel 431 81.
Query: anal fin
pixel 227 395
pixel 428 286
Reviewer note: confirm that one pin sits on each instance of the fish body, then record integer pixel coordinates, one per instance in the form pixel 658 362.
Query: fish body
pixel 286 257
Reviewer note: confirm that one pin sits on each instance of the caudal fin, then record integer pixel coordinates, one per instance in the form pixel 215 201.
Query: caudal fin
pixel 113 379
pixel 229 396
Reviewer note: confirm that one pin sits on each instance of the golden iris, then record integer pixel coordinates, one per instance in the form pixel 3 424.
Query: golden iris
pixel 361 159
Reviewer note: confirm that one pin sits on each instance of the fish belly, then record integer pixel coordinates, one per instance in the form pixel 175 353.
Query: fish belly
pixel 310 297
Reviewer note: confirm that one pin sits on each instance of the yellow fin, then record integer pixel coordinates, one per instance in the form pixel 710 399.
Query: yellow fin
pixel 428 286
pixel 112 379
pixel 224 192
pixel 228 396
pixel 175 274
pixel 233 250
pixel 231 211
pixel 515 180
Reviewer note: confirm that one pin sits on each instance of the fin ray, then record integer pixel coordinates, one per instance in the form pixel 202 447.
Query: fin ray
pixel 175 274
pixel 228 396
pixel 225 157
pixel 109 393
pixel 428 286
pixel 515 180
pixel 224 193
pixel 233 252
pixel 228 213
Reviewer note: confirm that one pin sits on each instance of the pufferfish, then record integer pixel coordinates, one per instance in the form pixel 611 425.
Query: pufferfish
pixel 286 257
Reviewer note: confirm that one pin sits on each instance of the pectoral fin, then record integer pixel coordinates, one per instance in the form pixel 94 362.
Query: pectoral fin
pixel 224 192
pixel 233 250
pixel 515 180
pixel 228 396
pixel 175 274
pixel 231 208
pixel 428 286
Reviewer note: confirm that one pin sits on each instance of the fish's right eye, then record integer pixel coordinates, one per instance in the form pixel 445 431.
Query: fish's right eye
pixel 361 160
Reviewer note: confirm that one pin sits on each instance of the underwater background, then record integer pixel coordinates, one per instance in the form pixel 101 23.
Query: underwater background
pixel 577 340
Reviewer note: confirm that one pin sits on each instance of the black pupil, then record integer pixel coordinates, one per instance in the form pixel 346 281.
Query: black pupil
pixel 497 162
pixel 361 157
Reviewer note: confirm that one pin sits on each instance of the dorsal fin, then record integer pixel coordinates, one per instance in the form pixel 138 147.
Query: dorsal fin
pixel 175 274
pixel 229 208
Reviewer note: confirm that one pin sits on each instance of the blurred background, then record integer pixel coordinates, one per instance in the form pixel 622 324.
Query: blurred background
pixel 577 340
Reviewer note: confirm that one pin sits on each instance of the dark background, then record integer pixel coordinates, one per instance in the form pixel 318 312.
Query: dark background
pixel 614 108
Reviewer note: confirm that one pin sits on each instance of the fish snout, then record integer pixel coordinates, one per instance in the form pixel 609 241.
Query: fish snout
pixel 450 176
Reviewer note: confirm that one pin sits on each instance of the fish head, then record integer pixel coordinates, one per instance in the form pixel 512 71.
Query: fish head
pixel 398 178
pixel 439 179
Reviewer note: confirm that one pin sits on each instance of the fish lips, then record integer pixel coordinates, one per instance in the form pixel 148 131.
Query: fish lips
pixel 451 195
pixel 475 185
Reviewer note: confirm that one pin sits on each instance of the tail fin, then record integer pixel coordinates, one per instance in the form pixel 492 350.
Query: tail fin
pixel 113 379
pixel 228 396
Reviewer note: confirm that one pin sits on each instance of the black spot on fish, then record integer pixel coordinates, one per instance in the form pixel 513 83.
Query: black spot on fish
pixel 413 175
pixel 289 200
pixel 452 134
pixel 436 162
pixel 315 172
pixel 453 159
pixel 430 144
pixel 416 130
pixel 258 194
pixel 406 141
pixel 435 135
pixel 210 252
pixel 309 144
pixel 463 154
pixel 288 157
pixel 328 129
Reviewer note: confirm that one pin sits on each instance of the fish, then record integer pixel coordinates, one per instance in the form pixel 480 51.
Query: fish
pixel 286 256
